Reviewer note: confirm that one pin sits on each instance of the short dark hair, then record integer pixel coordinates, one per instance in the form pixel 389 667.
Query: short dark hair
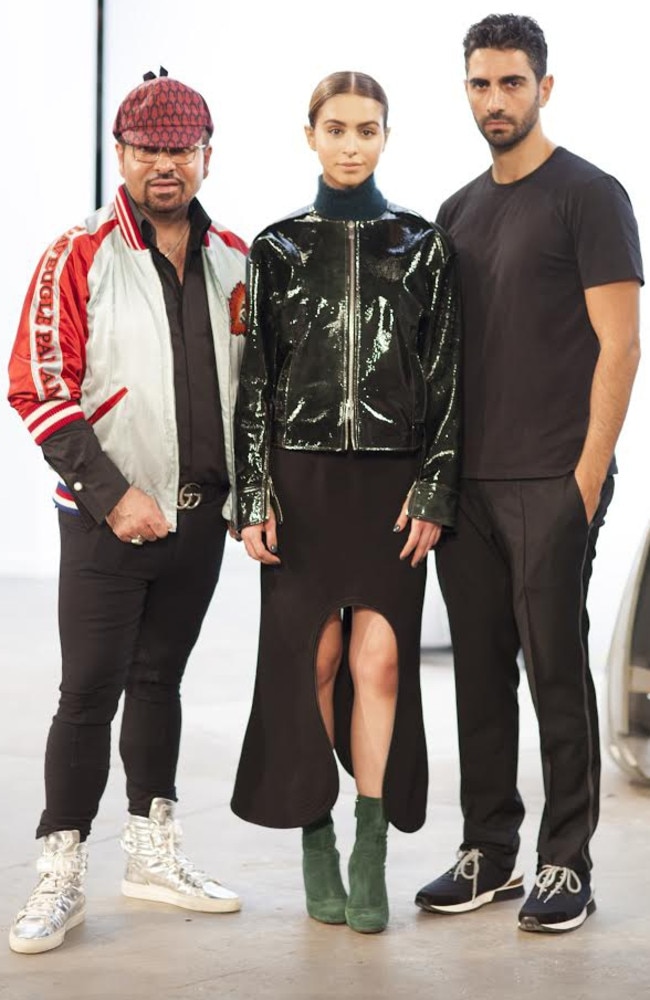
pixel 509 31
pixel 346 82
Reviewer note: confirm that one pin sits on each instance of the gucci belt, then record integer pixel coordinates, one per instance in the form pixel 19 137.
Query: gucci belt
pixel 189 496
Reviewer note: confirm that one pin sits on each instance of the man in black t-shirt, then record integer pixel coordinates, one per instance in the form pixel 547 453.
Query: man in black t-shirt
pixel 550 272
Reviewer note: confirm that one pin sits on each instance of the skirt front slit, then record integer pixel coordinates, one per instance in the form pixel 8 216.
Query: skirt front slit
pixel 338 551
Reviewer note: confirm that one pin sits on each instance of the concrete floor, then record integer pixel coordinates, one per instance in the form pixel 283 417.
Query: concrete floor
pixel 272 950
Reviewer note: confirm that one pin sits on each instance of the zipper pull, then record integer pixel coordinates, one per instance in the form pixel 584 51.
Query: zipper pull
pixel 276 502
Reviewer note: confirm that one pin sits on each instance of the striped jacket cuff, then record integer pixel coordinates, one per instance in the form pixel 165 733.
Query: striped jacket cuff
pixel 49 417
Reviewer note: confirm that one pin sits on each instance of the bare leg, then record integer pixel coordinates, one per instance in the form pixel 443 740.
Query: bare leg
pixel 324 889
pixel 374 669
pixel 328 661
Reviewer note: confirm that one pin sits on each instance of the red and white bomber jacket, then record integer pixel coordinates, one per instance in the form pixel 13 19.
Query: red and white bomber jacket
pixel 94 344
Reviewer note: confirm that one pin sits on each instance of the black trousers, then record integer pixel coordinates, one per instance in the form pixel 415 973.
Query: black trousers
pixel 514 576
pixel 128 619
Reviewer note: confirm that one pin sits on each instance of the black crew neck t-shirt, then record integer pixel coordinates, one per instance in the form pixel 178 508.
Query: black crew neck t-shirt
pixel 526 252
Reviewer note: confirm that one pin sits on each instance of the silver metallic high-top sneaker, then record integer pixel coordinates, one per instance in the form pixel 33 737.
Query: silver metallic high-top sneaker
pixel 58 902
pixel 156 869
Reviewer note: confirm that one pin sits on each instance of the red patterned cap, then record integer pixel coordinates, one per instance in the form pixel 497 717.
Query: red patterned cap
pixel 162 112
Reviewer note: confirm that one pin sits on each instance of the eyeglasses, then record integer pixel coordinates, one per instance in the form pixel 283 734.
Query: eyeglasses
pixel 181 155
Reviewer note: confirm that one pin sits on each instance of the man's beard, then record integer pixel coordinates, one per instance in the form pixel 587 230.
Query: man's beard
pixel 512 138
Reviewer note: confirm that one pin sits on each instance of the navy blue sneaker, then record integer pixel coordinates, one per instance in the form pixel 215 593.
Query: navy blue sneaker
pixel 472 882
pixel 561 900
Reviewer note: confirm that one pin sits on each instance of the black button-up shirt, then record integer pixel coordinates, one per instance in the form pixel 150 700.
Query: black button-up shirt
pixel 202 456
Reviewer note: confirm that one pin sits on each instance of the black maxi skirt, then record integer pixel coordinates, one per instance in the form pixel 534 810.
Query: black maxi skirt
pixel 338 551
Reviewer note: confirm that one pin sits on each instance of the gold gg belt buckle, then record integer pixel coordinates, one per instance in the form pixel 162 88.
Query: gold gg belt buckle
pixel 189 496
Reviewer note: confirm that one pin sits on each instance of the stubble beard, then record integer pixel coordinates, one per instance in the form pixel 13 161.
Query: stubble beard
pixel 510 139
pixel 165 208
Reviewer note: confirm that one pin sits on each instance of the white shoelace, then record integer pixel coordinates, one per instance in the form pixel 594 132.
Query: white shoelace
pixel 553 879
pixel 50 898
pixel 467 867
pixel 41 900
pixel 169 839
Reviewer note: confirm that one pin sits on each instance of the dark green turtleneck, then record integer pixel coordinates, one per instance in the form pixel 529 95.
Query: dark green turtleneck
pixel 356 204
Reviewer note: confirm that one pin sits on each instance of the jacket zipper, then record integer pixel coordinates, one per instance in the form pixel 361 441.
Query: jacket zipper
pixel 350 425
pixel 273 497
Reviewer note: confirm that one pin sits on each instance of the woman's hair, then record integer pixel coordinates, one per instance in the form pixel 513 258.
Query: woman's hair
pixel 346 82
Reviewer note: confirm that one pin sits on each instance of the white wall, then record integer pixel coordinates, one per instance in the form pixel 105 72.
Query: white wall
pixel 47 182
pixel 257 64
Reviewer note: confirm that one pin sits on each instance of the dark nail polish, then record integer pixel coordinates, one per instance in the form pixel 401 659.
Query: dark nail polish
pixel 397 528
pixel 273 549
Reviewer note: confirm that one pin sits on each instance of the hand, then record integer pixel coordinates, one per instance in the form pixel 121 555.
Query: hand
pixel 423 536
pixel 590 487
pixel 261 540
pixel 137 515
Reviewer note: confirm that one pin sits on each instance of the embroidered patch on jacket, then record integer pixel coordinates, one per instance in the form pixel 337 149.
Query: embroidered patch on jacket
pixel 237 306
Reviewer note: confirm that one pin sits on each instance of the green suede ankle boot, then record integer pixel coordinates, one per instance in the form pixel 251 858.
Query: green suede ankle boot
pixel 367 908
pixel 326 895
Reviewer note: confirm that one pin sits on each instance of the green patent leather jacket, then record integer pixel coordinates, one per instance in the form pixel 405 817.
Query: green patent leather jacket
pixel 353 343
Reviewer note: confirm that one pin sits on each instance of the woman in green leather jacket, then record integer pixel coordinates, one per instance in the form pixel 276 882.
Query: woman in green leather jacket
pixel 347 432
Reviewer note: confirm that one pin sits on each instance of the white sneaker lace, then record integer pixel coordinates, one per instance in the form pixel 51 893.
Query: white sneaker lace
pixel 468 867
pixel 42 898
pixel 57 872
pixel 60 866
pixel 553 879
pixel 170 839
pixel 53 891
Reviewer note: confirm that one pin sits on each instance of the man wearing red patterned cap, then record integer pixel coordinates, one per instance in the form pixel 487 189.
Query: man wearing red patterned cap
pixel 124 371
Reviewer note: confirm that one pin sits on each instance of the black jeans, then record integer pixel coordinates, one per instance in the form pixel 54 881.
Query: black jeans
pixel 128 619
pixel 514 576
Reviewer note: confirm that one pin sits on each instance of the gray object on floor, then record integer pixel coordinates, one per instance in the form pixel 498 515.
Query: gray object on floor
pixel 628 673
